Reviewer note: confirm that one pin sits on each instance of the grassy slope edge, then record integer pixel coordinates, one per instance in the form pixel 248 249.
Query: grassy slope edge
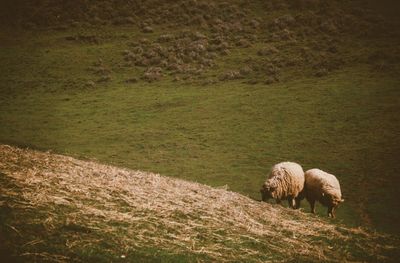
pixel 56 208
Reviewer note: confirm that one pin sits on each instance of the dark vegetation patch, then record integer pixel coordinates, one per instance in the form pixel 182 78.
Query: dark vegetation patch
pixel 91 39
pixel 214 32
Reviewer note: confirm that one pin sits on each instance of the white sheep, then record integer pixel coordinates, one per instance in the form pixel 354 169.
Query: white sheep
pixel 323 187
pixel 285 181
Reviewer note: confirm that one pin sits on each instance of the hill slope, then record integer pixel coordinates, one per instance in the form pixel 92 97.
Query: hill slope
pixel 56 208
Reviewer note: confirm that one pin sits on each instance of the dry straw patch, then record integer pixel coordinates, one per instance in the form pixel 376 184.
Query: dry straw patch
pixel 134 210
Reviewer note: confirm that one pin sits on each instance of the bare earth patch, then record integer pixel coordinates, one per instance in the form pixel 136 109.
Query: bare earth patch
pixel 56 208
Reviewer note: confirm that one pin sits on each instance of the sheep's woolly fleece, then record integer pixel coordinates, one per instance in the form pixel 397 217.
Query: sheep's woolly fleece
pixel 289 179
pixel 132 210
pixel 319 180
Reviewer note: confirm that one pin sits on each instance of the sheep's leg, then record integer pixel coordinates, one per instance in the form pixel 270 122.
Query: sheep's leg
pixel 297 202
pixel 331 212
pixel 292 202
pixel 312 205
pixel 278 201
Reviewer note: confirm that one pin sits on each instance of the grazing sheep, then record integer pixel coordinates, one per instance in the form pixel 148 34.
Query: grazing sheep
pixel 323 187
pixel 286 181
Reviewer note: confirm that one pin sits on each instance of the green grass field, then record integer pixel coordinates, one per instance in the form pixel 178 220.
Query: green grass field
pixel 228 133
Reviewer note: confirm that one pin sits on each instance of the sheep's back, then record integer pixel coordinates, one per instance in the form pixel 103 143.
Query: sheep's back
pixel 320 181
pixel 290 178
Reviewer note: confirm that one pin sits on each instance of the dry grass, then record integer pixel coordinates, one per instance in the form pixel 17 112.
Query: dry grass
pixel 130 210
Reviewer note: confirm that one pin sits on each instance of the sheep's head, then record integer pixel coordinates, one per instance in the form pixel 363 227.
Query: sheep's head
pixel 337 201
pixel 267 190
pixel 333 200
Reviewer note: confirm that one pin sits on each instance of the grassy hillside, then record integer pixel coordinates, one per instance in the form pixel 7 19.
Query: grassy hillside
pixel 59 209
pixel 212 92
